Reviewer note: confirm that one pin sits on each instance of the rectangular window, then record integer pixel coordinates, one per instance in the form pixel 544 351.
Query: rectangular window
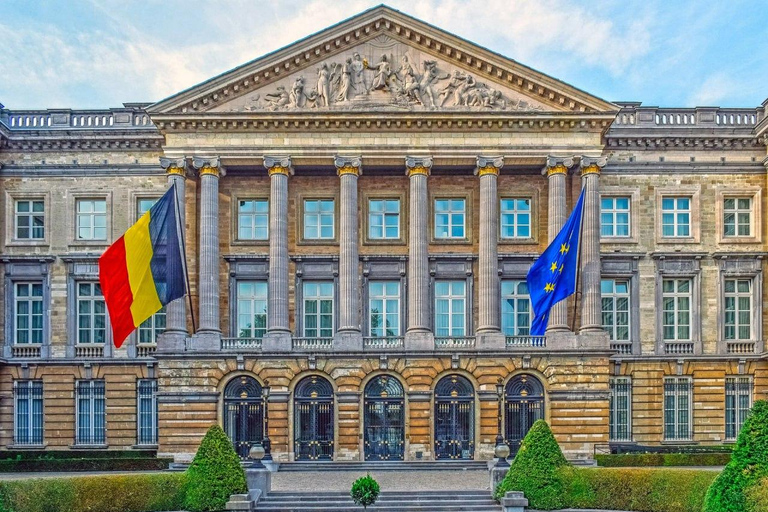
pixel 28 313
pixel 515 218
pixel 144 204
pixel 318 219
pixel 146 412
pixel 91 219
pixel 737 216
pixel 384 219
pixel 738 402
pixel 676 309
pixel 677 409
pixel 676 217
pixel 384 307
pixel 30 220
pixel 614 216
pixel 450 216
pixel 28 412
pixel 450 308
pixel 151 328
pixel 738 309
pixel 91 313
pixel 318 309
pixel 253 219
pixel 251 309
pixel 91 412
pixel 620 409
pixel 515 308
pixel 615 298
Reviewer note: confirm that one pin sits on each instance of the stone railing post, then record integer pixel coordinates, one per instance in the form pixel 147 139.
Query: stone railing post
pixel 556 171
pixel 348 333
pixel 591 321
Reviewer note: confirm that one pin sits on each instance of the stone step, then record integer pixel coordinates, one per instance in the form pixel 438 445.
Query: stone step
pixel 475 465
pixel 392 501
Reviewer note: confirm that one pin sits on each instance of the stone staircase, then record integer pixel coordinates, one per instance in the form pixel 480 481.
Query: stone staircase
pixel 392 501
pixel 474 465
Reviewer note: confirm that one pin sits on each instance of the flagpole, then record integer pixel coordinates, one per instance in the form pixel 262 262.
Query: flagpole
pixel 182 246
pixel 578 269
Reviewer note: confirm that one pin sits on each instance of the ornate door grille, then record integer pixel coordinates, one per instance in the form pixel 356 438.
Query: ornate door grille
pixel 244 414
pixel 384 419
pixel 454 418
pixel 313 419
pixel 524 405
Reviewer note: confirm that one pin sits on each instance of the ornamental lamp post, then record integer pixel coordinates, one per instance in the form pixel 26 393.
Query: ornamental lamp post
pixel 501 451
pixel 265 441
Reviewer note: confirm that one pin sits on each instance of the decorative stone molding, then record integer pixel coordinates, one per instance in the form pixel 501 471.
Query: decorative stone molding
pixel 208 166
pixel 489 165
pixel 173 166
pixel 557 165
pixel 348 165
pixel 278 165
pixel 592 165
pixel 418 165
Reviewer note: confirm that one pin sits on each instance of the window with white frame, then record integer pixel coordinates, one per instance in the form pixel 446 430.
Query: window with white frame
pixel 737 216
pixel 28 412
pixel 253 219
pixel 251 309
pixel 614 216
pixel 738 402
pixel 318 219
pixel 91 313
pixel 146 412
pixel 318 309
pixel 91 219
pixel 516 218
pixel 676 309
pixel 30 219
pixel 91 412
pixel 450 218
pixel 155 325
pixel 620 409
pixel 676 217
pixel 383 219
pixel 28 313
pixel 677 409
pixel 615 300
pixel 143 204
pixel 515 308
pixel 384 308
pixel 738 309
pixel 450 308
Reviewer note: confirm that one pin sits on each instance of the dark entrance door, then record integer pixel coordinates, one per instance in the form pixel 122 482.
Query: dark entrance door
pixel 243 414
pixel 524 398
pixel 384 419
pixel 313 419
pixel 454 418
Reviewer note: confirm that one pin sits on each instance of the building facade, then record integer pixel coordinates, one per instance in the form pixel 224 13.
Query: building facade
pixel 360 212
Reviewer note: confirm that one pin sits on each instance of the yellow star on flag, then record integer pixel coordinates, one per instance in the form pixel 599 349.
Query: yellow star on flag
pixel 560 269
pixel 564 248
pixel 549 287
pixel 554 266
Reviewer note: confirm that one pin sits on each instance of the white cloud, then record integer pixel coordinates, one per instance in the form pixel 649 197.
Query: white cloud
pixel 713 90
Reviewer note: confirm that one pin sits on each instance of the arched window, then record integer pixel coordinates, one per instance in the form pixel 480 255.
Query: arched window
pixel 313 419
pixel 244 413
pixel 384 420
pixel 524 397
pixel 454 418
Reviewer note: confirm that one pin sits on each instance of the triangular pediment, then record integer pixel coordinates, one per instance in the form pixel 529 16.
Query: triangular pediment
pixel 381 60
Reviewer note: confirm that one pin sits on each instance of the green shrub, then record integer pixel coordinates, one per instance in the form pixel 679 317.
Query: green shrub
pixel 365 491
pixel 215 473
pixel 84 464
pixel 643 460
pixel 757 496
pixel 535 470
pixel 748 464
pixel 76 454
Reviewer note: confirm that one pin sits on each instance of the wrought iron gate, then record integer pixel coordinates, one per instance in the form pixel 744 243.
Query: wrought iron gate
pixel 454 418
pixel 244 414
pixel 384 419
pixel 524 405
pixel 313 419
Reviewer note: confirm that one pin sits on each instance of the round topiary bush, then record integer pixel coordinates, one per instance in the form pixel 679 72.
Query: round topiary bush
pixel 214 474
pixel 748 465
pixel 535 470
pixel 365 491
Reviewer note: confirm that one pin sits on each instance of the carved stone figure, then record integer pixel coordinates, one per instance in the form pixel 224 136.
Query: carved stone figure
pixel 278 99
pixel 383 71
pixel 323 86
pixel 358 77
pixel 345 84
pixel 297 93
pixel 428 79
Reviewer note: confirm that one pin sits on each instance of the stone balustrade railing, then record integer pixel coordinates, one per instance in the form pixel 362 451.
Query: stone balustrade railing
pixel 26 351
pixel 679 348
pixel 133 117
pixel 146 350
pixel 526 341
pixel 383 342
pixel 740 347
pixel 637 116
pixel 622 347
pixel 457 342
pixel 89 350
pixel 313 343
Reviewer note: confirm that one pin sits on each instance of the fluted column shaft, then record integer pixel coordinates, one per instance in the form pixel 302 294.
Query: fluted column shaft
pixel 176 311
pixel 556 174
pixel 277 319
pixel 489 313
pixel 349 260
pixel 418 249
pixel 208 283
pixel 591 310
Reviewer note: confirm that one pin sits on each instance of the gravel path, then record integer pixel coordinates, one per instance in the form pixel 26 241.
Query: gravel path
pixel 306 481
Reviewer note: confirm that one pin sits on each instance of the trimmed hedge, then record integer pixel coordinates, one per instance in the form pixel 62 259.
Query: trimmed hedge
pixel 74 454
pixel 84 464
pixel 662 459
pixel 757 496
pixel 102 493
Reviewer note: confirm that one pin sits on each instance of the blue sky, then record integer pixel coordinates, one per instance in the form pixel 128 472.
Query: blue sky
pixel 101 53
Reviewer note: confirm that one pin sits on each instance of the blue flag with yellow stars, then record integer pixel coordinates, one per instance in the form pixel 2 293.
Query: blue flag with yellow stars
pixel 552 277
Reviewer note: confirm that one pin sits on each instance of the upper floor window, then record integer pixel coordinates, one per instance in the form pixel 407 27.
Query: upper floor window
pixel 620 409
pixel 450 217
pixel 737 216
pixel 676 309
pixel 30 219
pixel 28 412
pixel 253 219
pixel 676 217
pixel 318 219
pixel 450 308
pixel 28 313
pixel 614 217
pixel 677 409
pixel 91 219
pixel 515 218
pixel 515 308
pixel 90 401
pixel 738 309
pixel 738 402
pixel 91 313
pixel 384 219
pixel 251 309
pixel 615 299
pixel 151 328
pixel 318 309
pixel 144 204
pixel 384 306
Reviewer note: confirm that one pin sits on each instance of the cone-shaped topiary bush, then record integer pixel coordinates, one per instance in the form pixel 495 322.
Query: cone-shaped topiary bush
pixel 749 463
pixel 535 470
pixel 214 474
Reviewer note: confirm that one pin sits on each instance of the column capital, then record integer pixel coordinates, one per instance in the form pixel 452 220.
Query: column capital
pixel 210 166
pixel 348 165
pixel 418 165
pixel 278 165
pixel 174 166
pixel 592 164
pixel 489 165
pixel 557 165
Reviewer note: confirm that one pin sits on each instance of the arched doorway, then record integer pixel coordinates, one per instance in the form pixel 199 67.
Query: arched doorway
pixel 454 418
pixel 384 419
pixel 524 399
pixel 244 413
pixel 313 419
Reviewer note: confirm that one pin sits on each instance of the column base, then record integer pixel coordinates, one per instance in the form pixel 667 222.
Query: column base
pixel 172 342
pixel 348 341
pixel 277 341
pixel 205 341
pixel 594 338
pixel 490 340
pixel 419 340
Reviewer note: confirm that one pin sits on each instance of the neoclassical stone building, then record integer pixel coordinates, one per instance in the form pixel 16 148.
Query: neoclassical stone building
pixel 361 209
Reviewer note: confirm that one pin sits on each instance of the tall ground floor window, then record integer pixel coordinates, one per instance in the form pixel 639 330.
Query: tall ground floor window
pixel 678 393
pixel 146 413
pixel 620 409
pixel 91 412
pixel 28 412
pixel 738 402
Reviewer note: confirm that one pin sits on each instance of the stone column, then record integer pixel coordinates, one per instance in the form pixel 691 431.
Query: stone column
pixel 278 336
pixel 556 171
pixel 208 335
pixel 591 321
pixel 348 332
pixel 173 339
pixel 419 334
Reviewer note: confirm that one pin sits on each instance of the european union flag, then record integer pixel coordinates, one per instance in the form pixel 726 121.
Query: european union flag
pixel 552 277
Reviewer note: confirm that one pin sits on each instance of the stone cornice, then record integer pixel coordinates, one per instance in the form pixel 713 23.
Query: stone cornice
pixel 84 141
pixel 80 170
pixel 614 167
pixel 688 142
